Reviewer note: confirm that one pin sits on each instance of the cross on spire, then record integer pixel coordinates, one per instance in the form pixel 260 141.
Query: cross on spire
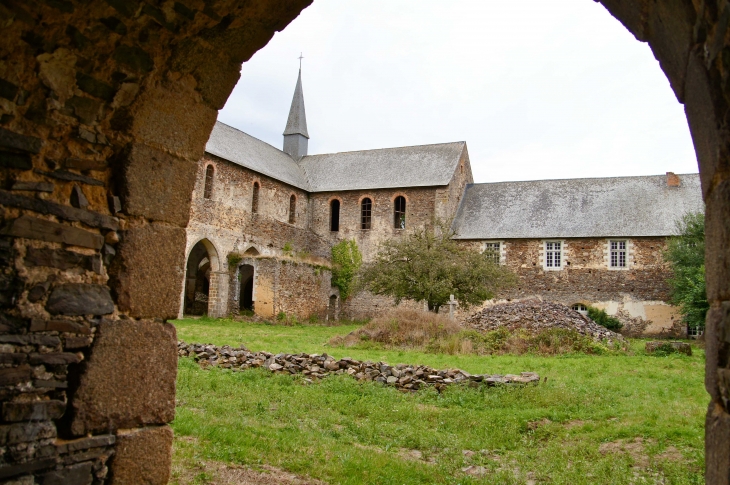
pixel 300 60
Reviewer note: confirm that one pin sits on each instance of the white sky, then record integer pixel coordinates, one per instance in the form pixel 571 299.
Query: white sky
pixel 538 89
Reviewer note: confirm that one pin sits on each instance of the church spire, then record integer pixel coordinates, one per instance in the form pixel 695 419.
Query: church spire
pixel 296 137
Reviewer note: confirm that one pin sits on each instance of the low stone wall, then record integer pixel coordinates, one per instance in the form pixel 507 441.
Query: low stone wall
pixel 315 366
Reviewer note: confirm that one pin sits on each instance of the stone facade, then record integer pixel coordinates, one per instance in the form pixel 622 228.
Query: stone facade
pixel 290 255
pixel 157 74
pixel 636 294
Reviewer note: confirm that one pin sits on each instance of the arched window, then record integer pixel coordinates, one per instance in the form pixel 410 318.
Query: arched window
pixel 335 215
pixel 255 198
pixel 292 208
pixel 366 209
pixel 208 191
pixel 399 214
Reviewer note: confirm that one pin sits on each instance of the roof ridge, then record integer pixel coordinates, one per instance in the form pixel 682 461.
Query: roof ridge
pixel 387 148
pixel 620 177
pixel 255 138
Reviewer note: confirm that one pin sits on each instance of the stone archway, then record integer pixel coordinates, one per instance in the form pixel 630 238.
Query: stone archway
pixel 201 280
pixel 116 100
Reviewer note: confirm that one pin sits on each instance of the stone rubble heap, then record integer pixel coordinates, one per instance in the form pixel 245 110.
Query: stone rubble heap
pixel 535 316
pixel 315 366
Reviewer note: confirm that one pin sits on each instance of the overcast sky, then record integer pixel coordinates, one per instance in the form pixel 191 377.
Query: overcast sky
pixel 538 88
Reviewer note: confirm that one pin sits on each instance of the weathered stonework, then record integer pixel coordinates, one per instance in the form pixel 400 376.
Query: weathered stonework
pixel 81 81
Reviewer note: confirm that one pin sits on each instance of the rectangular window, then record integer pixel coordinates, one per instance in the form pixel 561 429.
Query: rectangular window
pixel 553 254
pixel 617 254
pixel 492 250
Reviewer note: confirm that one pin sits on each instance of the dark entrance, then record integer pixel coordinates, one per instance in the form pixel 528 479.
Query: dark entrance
pixel 245 275
pixel 197 281
pixel 332 309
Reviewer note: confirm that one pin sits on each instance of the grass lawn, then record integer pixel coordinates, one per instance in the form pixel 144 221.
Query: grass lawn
pixel 611 419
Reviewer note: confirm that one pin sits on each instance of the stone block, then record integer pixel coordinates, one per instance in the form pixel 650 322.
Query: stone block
pixel 71 177
pixel 85 164
pixel 33 186
pixel 80 299
pixel 33 411
pixel 62 259
pixel 24 432
pixel 717 444
pixel 129 379
pixel 54 358
pixel 40 325
pixel 158 186
pixel 717 240
pixel 19 469
pixel 78 199
pixel 174 117
pixel 71 446
pixel 94 87
pixel 142 456
pixel 33 228
pixel 147 272
pixel 41 206
pixel 79 474
pixel 10 376
pixel 16 141
pixel 679 347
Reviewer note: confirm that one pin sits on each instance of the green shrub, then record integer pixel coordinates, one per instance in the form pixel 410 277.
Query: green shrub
pixel 346 262
pixel 233 260
pixel 602 318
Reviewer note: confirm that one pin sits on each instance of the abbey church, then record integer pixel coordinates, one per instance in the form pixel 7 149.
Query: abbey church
pixel 263 222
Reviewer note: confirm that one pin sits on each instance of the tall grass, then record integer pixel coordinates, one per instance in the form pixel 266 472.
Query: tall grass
pixel 430 332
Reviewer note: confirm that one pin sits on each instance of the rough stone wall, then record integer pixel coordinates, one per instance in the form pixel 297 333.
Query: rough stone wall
pixel 449 197
pixel 364 304
pixel 634 295
pixel 284 285
pixel 160 71
pixel 105 108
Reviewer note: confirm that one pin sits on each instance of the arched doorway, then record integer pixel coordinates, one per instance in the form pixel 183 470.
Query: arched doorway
pixel 200 278
pixel 246 278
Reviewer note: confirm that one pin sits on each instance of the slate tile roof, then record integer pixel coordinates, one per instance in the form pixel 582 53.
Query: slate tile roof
pixel 416 166
pixel 592 207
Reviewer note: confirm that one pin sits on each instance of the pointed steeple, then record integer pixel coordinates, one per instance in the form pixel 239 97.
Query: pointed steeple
pixel 296 136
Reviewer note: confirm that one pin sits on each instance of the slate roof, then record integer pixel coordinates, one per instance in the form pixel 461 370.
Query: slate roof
pixel 594 207
pixel 244 150
pixel 296 124
pixel 416 166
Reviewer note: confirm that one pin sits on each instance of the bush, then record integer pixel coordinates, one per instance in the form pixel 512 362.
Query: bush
pixel 346 262
pixel 233 260
pixel 603 319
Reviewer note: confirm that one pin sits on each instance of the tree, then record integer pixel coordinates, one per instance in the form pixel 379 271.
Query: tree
pixel 346 261
pixel 428 265
pixel 686 254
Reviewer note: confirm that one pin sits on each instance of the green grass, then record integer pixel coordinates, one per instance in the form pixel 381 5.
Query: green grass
pixel 345 432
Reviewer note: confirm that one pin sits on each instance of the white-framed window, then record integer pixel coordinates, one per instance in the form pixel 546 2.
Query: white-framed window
pixel 494 250
pixel 581 308
pixel 553 256
pixel 695 331
pixel 618 253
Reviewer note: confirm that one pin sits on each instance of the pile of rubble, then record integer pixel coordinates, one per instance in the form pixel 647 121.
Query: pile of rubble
pixel 315 366
pixel 535 316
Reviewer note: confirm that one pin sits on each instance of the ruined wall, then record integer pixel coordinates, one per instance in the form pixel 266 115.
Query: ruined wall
pixel 104 110
pixel 284 285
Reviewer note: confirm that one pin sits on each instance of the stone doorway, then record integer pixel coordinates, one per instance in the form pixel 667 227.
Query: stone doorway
pixel 200 279
pixel 332 308
pixel 246 277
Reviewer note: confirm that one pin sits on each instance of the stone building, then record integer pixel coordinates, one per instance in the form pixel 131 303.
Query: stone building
pixel 263 220
pixel 583 242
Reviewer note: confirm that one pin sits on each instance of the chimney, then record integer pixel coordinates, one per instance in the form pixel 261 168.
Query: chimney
pixel 672 179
